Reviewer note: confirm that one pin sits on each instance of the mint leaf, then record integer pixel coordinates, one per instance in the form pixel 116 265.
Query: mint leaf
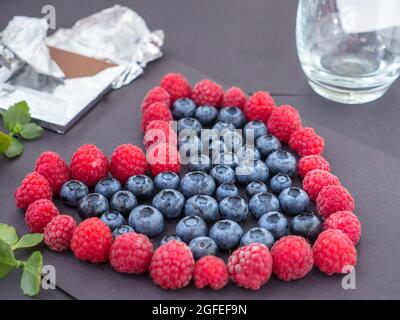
pixel 5 142
pixel 16 114
pixel 31 276
pixel 28 240
pixel 31 131
pixel 7 259
pixel 15 149
pixel 8 234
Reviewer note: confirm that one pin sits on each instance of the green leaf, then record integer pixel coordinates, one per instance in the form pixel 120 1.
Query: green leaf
pixel 5 142
pixel 16 114
pixel 15 149
pixel 8 234
pixel 7 259
pixel 31 131
pixel 28 241
pixel 31 276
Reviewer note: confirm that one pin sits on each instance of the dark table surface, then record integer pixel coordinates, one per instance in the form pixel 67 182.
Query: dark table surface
pixel 250 44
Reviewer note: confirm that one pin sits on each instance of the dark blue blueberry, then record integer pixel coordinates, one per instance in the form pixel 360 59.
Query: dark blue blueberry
pixel 183 108
pixel 226 189
pixel 276 223
pixel 249 171
pixel 107 187
pixel 141 186
pixel 262 203
pixel 191 227
pixel 147 220
pixel 189 126
pixel 280 182
pixel 255 187
pixel 307 225
pixel 122 230
pixel 169 237
pixel 226 234
pixel 228 159
pixel 281 162
pixel 234 208
pixel 253 130
pixel 196 183
pixel 92 205
pixel 257 235
pixel 223 174
pixel 222 125
pixel 72 191
pixel 232 115
pixel 267 144
pixel 203 206
pixel 112 219
pixel 166 180
pixel 206 115
pixel 248 153
pixel 294 200
pixel 200 163
pixel 233 140
pixel 203 246
pixel 123 202
pixel 169 202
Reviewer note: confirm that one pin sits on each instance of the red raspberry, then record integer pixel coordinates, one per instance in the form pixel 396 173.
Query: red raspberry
pixel 315 180
pixel 163 157
pixel 309 163
pixel 176 85
pixel 157 94
pixel 51 166
pixel 172 265
pixel 156 111
pixel 159 131
pixel 283 122
pixel 58 232
pixel 292 258
pixel 33 187
pixel 334 252
pixel 250 266
pixel 259 106
pixel 131 253
pixel 127 160
pixel 234 97
pixel 39 214
pixel 207 92
pixel 91 241
pixel 306 142
pixel 332 199
pixel 210 271
pixel 89 165
pixel 347 222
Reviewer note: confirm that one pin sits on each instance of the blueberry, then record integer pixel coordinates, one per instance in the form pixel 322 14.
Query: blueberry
pixel 249 171
pixel 107 187
pixel 169 237
pixel 169 202
pixel 233 140
pixel 223 174
pixel 123 202
pixel 226 234
pixel 280 182
pixel 189 126
pixel 208 136
pixel 147 220
pixel 112 219
pixel 197 182
pixel 222 125
pixel 232 115
pixel 276 223
pixel 281 162
pixel 254 129
pixel 166 180
pixel 216 148
pixel 183 108
pixel 203 246
pixel 294 200
pixel 267 144
pixel 190 142
pixel 92 205
pixel 191 227
pixel 200 163
pixel 226 189
pixel 202 206
pixel 228 159
pixel 262 203
pixel 307 225
pixel 255 187
pixel 234 208
pixel 248 153
pixel 72 191
pixel 257 235
pixel 206 114
pixel 122 230
pixel 141 186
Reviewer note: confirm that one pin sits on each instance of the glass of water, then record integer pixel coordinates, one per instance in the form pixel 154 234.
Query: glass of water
pixel 349 49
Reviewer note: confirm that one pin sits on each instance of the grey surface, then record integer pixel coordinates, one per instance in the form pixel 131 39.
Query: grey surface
pixel 255 42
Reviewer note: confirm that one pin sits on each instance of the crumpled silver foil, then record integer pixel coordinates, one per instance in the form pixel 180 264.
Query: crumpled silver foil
pixel 27 72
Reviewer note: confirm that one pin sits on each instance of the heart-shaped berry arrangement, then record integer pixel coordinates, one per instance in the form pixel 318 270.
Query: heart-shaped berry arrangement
pixel 237 165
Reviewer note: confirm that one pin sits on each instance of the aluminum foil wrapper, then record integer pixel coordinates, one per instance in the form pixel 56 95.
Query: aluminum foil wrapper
pixel 117 36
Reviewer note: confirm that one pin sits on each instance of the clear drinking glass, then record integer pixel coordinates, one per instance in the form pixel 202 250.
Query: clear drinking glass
pixel 349 49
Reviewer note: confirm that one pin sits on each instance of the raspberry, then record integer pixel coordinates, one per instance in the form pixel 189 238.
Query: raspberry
pixel 131 253
pixel 156 111
pixel 172 265
pixel 51 166
pixel 334 252
pixel 207 92
pixel 157 94
pixel 159 131
pixel 347 222
pixel 33 187
pixel 176 85
pixel 309 163
pixel 126 161
pixel 58 232
pixel 39 214
pixel 259 106
pixel 283 122
pixel 234 97
pixel 332 199
pixel 315 180
pixel 250 266
pixel 210 271
pixel 292 258
pixel 306 142
pixel 91 241
pixel 163 157
pixel 89 165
